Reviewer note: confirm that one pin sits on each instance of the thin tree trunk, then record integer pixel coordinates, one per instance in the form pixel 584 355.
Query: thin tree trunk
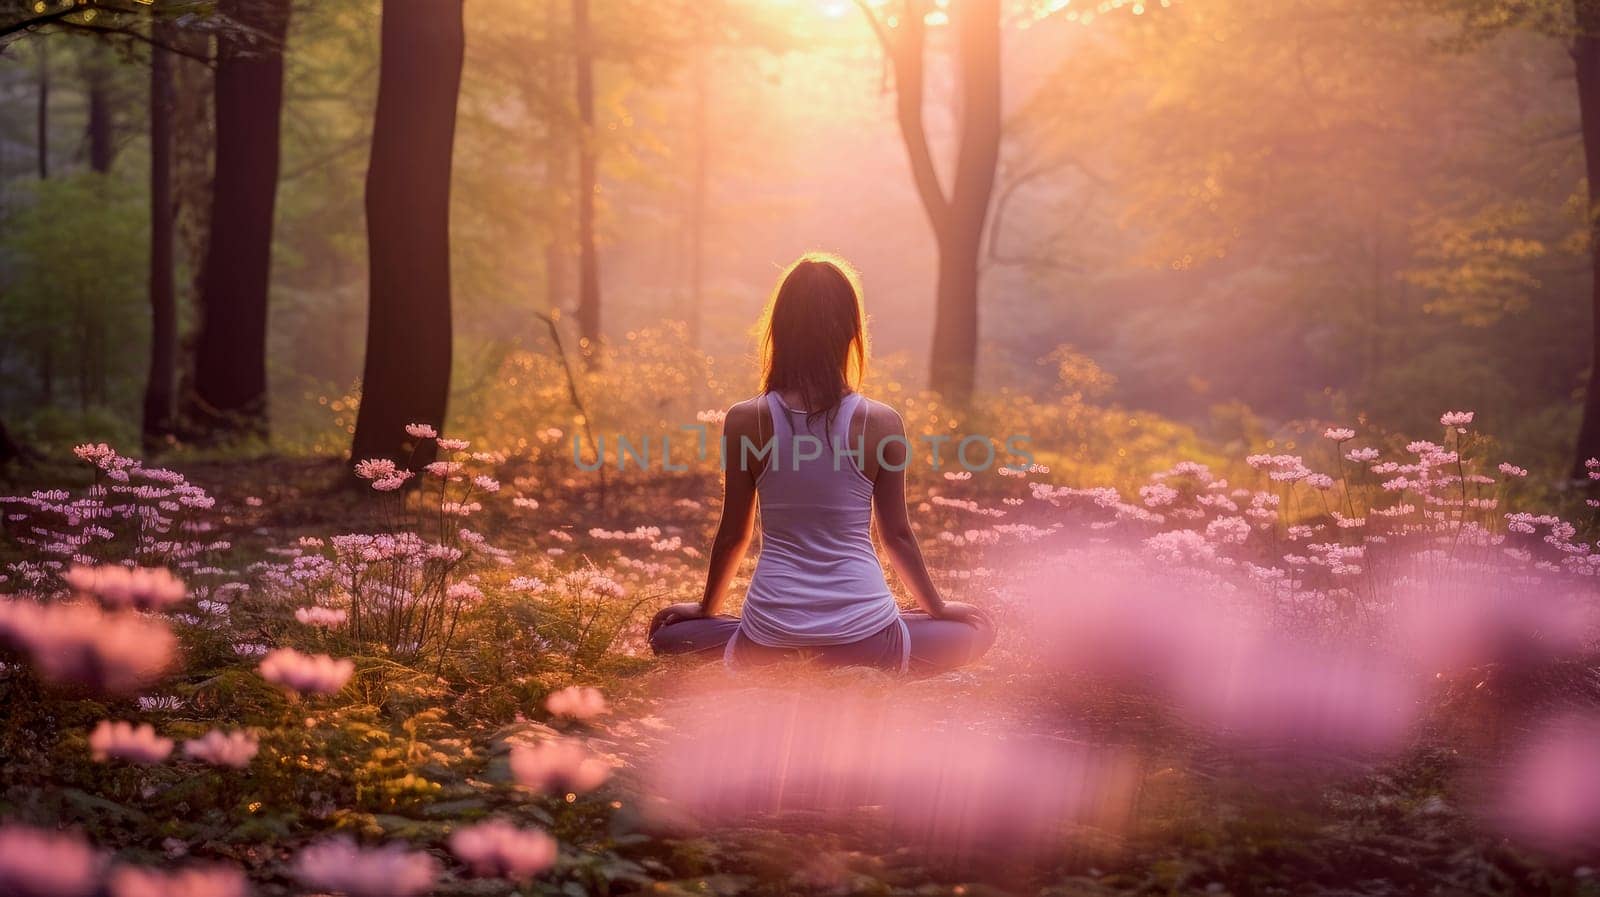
pixel 959 218
pixel 230 369
pixel 101 128
pixel 588 262
pixel 699 189
pixel 9 449
pixel 558 148
pixel 407 373
pixel 161 382
pixel 43 111
pixel 1586 56
pixel 953 368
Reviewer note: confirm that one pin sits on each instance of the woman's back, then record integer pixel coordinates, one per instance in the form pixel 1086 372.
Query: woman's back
pixel 818 580
pixel 822 484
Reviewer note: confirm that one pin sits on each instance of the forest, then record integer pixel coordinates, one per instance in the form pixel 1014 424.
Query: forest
pixel 359 361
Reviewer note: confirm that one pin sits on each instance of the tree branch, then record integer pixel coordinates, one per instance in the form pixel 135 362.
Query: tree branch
pixel 110 31
pixel 906 50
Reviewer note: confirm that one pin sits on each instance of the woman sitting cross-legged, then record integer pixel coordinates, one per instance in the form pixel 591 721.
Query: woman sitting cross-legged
pixel 824 462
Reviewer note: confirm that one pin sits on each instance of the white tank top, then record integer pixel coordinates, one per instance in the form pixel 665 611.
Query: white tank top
pixel 818 580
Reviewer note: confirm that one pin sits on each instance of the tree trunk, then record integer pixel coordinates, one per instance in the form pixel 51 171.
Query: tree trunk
pixel 953 368
pixel 588 262
pixel 699 188
pixel 1586 56
pixel 8 448
pixel 161 383
pixel 545 86
pixel 958 220
pixel 230 369
pixel 193 137
pixel 407 374
pixel 100 131
pixel 42 113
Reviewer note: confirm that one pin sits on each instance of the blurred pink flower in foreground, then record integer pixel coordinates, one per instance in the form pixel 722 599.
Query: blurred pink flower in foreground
pixel 579 702
pixel 219 748
pixel 115 586
pixel 498 848
pixel 1201 645
pixel 1458 624
pixel 1125 625
pixel 1552 788
pixel 393 870
pixel 558 765
pixel 198 881
pixel 77 643
pixel 306 673
pixel 325 617
pixel 950 788
pixel 1283 693
pixel 39 863
pixel 126 741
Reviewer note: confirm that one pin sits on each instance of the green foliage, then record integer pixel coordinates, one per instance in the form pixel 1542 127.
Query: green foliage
pixel 73 319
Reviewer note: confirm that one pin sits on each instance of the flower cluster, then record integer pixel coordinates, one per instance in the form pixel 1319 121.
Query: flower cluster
pixel 339 864
pixel 79 644
pixel 126 741
pixel 306 673
pixel 500 849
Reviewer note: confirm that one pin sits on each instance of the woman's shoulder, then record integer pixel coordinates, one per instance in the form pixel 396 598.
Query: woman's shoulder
pixel 882 416
pixel 743 416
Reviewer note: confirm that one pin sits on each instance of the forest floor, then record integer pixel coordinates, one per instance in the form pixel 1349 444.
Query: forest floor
pixel 1202 816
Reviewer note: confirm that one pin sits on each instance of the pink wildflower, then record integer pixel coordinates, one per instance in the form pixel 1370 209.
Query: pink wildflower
pixel 421 431
pixel 391 483
pixel 1456 418
pixel 144 588
pixel 38 863
pixel 376 468
pixel 445 469
pixel 499 849
pixel 1553 796
pixel 579 702
pixel 126 741
pixel 1512 470
pixel 453 445
pixel 198 881
pixel 306 673
pixel 80 644
pixel 1339 434
pixel 556 765
pixel 337 864
pixel 219 748
pixel 1228 530
pixel 324 617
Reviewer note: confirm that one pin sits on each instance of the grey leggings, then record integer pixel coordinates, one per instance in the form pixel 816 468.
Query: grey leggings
pixel 916 643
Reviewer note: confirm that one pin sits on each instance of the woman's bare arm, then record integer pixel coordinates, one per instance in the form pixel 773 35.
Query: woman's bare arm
pixel 738 521
pixel 736 527
pixel 885 435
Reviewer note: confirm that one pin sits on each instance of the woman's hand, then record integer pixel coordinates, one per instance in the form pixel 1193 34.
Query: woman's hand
pixel 960 612
pixel 672 613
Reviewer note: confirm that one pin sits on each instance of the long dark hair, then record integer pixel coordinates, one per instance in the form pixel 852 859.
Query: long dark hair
pixel 814 333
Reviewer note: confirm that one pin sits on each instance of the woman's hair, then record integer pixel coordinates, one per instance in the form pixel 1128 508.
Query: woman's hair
pixel 813 332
